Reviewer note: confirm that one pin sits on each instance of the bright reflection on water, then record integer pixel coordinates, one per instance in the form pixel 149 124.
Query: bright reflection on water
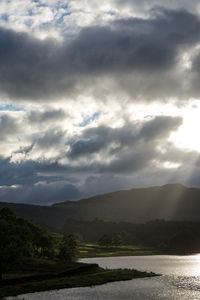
pixel 163 264
pixel 181 280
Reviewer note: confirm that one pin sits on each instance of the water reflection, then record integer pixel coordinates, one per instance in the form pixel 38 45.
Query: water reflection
pixel 163 264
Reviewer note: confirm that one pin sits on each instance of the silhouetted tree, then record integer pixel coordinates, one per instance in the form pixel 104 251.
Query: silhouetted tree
pixel 117 239
pixel 184 242
pixel 105 240
pixel 68 249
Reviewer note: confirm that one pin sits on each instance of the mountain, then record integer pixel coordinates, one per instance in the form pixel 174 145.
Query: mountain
pixel 169 202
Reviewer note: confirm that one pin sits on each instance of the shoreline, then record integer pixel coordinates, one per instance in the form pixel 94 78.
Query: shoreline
pixel 84 275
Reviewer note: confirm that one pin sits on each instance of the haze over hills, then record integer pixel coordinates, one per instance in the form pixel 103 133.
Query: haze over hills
pixel 169 202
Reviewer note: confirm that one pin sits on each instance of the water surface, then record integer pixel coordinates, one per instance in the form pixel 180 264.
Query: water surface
pixel 188 265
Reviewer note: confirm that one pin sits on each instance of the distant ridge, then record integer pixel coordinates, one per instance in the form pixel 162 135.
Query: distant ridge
pixel 169 202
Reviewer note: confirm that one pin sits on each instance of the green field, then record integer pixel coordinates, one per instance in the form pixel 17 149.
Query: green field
pixel 94 250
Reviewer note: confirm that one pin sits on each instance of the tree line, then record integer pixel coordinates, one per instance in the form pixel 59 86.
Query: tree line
pixel 168 236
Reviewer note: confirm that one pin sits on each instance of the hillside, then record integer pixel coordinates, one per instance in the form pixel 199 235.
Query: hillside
pixel 52 218
pixel 170 202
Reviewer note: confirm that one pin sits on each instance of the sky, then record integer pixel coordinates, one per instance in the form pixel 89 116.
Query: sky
pixel 97 96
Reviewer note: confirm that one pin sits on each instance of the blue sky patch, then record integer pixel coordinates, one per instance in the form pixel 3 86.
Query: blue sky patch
pixel 111 13
pixel 4 17
pixel 88 120
pixel 9 107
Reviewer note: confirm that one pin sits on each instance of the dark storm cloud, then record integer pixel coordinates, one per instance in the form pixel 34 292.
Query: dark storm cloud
pixel 8 126
pixel 96 139
pixel 42 194
pixel 30 172
pixel 50 139
pixel 41 182
pixel 124 150
pixel 35 69
pixel 195 73
pixel 159 128
pixel 53 192
pixel 134 44
pixel 130 161
pixel 144 5
pixel 18 173
pixel 46 116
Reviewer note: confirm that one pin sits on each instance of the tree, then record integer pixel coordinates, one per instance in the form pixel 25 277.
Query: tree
pixel 20 238
pixel 117 239
pixel 45 246
pixel 184 242
pixel 105 240
pixel 12 247
pixel 68 249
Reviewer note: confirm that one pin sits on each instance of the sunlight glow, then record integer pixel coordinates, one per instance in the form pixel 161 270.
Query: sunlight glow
pixel 170 165
pixel 188 134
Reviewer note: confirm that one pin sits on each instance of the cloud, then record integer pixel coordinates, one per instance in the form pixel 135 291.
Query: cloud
pixel 126 149
pixel 160 127
pixel 94 140
pixel 9 126
pixel 49 139
pixel 43 193
pixel 140 56
pixel 46 116
pixel 58 18
pixel 143 6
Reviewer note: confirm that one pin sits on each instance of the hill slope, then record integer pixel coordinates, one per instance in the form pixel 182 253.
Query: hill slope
pixel 170 202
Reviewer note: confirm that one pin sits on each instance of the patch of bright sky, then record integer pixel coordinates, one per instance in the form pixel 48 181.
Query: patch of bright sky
pixel 89 119
pixel 4 17
pixel 14 186
pixel 170 165
pixel 56 18
pixel 10 107
pixel 187 136
pixel 111 13
pixel 142 112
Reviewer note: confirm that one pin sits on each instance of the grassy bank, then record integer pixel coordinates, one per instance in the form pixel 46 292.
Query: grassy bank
pixel 94 250
pixel 43 275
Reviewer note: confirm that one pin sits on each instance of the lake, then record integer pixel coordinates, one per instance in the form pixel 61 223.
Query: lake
pixel 180 280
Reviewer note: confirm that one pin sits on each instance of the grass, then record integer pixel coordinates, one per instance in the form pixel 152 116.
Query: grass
pixel 42 275
pixel 94 250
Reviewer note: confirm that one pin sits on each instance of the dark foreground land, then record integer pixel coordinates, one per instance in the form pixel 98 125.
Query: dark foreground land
pixel 42 275
pixel 33 260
